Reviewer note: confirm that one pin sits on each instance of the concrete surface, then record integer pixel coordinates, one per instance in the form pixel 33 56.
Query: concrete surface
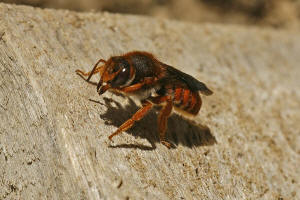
pixel 244 144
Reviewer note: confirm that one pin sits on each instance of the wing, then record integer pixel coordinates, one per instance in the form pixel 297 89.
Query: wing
pixel 192 83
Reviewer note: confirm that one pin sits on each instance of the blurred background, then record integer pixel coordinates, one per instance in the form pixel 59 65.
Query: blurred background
pixel 271 13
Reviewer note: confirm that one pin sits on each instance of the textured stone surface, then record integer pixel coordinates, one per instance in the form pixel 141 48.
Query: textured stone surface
pixel 272 13
pixel 244 144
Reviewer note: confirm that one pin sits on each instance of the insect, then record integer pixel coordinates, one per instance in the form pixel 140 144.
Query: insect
pixel 141 75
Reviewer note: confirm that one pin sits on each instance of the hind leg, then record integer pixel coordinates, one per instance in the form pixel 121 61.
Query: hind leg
pixel 162 121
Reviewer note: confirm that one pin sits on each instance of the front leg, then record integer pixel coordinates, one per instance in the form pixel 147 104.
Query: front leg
pixel 95 70
pixel 137 86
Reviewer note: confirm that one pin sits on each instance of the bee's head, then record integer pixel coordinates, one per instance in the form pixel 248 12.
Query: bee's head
pixel 117 74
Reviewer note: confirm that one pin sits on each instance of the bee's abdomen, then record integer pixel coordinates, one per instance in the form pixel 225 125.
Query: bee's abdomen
pixel 186 100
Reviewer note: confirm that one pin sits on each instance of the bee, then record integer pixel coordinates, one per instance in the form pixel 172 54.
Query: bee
pixel 152 82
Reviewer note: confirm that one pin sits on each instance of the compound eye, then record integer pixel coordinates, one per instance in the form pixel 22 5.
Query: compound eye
pixel 117 67
pixel 122 77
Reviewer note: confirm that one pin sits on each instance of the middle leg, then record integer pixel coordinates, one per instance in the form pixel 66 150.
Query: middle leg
pixel 136 117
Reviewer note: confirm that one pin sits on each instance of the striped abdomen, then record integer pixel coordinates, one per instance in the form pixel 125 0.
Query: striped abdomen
pixel 186 100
